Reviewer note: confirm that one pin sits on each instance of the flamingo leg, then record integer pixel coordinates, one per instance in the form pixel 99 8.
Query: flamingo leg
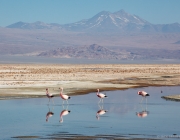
pixel 99 101
pixel 99 106
pixel 63 106
pixel 49 100
pixel 53 101
pixel 146 107
pixel 142 107
pixel 142 99
pixel 63 102
pixel 67 107
pixel 102 100
pixel 67 101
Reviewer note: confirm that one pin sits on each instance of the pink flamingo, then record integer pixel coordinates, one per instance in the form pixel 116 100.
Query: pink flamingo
pixel 63 113
pixel 49 95
pixel 63 96
pixel 143 94
pixel 101 96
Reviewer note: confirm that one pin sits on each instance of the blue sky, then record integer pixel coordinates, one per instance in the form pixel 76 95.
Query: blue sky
pixel 69 11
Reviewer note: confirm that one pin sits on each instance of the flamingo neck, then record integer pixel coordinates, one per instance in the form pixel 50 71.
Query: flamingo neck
pixel 97 116
pixel 61 92
pixel 47 118
pixel 97 92
pixel 61 96
pixel 61 119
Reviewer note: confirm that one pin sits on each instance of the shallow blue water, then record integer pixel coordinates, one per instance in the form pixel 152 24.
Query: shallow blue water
pixel 27 117
pixel 36 59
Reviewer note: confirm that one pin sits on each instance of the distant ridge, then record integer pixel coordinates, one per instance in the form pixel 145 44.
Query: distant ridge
pixel 93 51
pixel 105 21
pixel 35 25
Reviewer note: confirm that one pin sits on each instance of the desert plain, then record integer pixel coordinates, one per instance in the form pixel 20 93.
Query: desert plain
pixel 31 80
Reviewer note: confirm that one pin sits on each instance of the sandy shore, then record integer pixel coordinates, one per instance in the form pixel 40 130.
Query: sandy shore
pixel 30 80
pixel 172 97
pixel 68 136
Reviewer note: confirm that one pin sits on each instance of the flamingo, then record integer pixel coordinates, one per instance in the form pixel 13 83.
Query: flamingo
pixel 63 96
pixel 101 96
pixel 49 95
pixel 143 94
pixel 63 113
pixel 100 112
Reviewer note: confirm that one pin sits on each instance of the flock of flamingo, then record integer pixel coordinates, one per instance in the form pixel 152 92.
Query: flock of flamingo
pixel 99 112
pixel 66 97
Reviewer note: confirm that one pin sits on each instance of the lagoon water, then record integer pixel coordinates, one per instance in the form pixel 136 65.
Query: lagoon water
pixel 125 117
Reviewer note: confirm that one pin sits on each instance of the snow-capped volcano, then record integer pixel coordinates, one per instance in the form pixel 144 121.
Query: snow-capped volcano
pixel 105 21
pixel 109 21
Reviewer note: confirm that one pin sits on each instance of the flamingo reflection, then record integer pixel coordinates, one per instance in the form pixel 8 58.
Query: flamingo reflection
pixel 49 114
pixel 142 114
pixel 63 113
pixel 101 111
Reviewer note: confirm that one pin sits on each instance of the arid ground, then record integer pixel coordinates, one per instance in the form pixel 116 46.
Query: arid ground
pixel 31 80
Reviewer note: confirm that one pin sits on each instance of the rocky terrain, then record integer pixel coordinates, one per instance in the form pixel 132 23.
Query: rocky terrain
pixel 93 51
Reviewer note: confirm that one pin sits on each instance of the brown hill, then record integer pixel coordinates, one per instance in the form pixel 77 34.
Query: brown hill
pixel 93 51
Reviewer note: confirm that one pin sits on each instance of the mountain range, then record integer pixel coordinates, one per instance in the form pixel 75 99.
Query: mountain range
pixel 105 21
pixel 106 35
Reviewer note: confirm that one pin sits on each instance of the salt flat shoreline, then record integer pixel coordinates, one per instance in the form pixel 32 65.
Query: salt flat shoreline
pixel 30 80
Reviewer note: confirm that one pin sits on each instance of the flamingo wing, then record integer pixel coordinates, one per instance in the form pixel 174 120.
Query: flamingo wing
pixel 65 97
pixel 144 93
pixel 101 95
pixel 50 94
pixel 101 112
pixel 64 112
